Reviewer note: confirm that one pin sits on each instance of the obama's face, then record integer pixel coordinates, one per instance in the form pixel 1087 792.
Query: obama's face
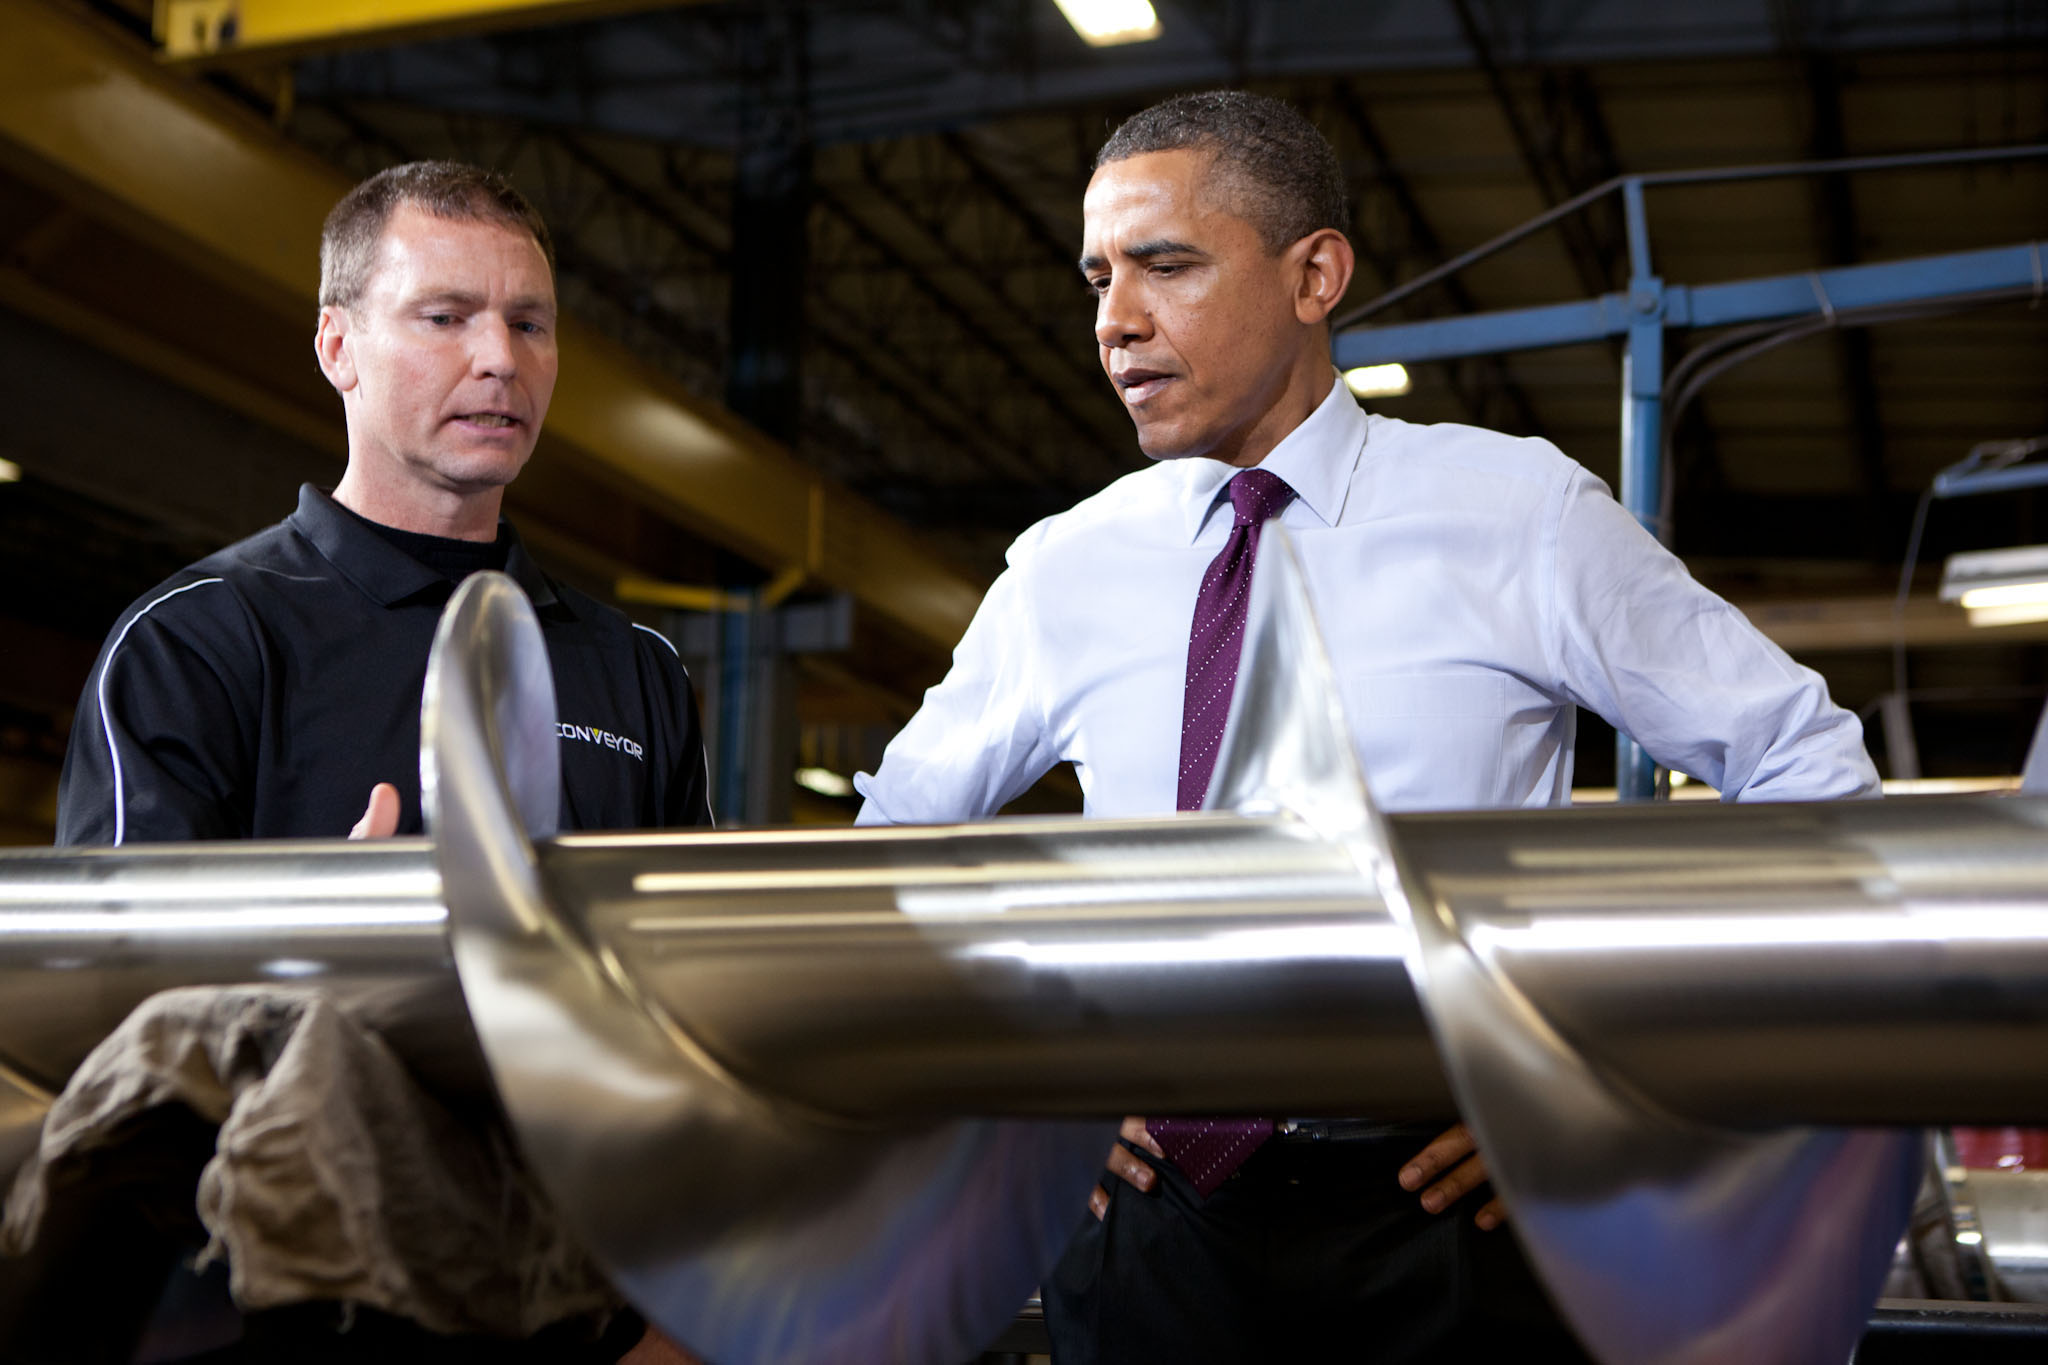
pixel 1213 339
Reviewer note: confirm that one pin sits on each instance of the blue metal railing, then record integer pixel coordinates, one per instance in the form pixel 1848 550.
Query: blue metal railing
pixel 1649 307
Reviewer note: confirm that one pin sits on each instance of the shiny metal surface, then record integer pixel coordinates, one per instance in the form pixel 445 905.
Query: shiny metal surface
pixel 1848 962
pixel 1766 1247
pixel 821 1095
pixel 88 934
pixel 2012 1214
pixel 2034 772
pixel 1966 1252
pixel 748 1225
pixel 1025 967
pixel 811 982
pixel 1662 1240
pixel 487 731
pixel 1612 984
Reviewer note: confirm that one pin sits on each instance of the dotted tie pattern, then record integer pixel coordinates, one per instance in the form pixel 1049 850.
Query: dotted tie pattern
pixel 1209 1150
pixel 1217 636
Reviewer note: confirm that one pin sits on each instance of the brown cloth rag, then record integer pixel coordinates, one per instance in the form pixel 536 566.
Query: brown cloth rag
pixel 335 1176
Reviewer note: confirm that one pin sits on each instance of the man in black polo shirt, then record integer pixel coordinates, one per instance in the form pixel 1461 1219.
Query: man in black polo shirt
pixel 271 689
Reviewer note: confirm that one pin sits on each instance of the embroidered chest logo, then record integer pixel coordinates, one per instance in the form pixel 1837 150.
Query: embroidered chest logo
pixel 591 734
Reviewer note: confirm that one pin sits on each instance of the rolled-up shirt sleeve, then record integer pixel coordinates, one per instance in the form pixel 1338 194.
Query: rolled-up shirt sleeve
pixel 1686 674
pixel 980 739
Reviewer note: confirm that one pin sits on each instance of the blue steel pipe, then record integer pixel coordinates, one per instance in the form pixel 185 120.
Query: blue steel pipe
pixel 1642 429
pixel 1919 279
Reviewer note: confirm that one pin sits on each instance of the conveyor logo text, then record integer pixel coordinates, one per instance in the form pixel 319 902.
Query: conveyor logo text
pixel 590 734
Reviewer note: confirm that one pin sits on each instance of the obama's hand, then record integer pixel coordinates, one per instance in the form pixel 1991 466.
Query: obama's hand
pixel 1450 1168
pixel 1127 1167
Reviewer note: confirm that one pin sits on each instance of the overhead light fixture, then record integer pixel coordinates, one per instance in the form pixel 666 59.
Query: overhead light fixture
pixel 824 782
pixel 1108 23
pixel 10 472
pixel 1999 587
pixel 2019 614
pixel 1378 381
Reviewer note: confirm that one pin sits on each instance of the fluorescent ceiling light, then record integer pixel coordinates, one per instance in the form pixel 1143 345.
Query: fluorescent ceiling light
pixel 9 471
pixel 1965 574
pixel 2007 595
pixel 823 781
pixel 2013 614
pixel 1999 587
pixel 1106 23
pixel 1378 381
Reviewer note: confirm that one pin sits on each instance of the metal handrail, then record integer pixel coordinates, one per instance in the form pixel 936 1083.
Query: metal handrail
pixel 1710 175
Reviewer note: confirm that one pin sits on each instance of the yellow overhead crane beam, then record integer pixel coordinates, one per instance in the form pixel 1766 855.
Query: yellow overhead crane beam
pixel 86 113
pixel 221 30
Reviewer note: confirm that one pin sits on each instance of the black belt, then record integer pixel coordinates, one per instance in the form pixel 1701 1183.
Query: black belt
pixel 1356 1130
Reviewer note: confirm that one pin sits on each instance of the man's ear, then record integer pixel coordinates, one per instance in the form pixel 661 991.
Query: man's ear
pixel 1323 263
pixel 331 348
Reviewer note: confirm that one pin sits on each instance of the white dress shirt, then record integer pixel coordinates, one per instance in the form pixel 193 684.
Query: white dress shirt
pixel 1472 588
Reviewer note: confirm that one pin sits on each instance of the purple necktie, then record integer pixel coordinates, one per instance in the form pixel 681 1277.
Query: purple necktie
pixel 1208 1150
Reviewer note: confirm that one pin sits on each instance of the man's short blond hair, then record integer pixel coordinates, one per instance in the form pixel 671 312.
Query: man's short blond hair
pixel 444 189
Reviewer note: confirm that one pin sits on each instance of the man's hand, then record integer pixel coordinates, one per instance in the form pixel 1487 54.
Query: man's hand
pixel 1133 1172
pixel 380 817
pixel 1452 1151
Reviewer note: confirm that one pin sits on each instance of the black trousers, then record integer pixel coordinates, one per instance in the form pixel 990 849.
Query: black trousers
pixel 1311 1251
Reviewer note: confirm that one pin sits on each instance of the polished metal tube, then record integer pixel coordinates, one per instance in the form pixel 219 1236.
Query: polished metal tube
pixel 1875 963
pixel 88 934
pixel 1866 962
pixel 1851 963
pixel 1844 963
pixel 824 1095
pixel 1032 967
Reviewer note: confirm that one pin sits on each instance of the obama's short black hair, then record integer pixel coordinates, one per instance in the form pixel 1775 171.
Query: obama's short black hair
pixel 1281 171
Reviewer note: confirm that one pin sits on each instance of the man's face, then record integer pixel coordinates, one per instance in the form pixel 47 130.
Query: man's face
pixel 1195 317
pixel 447 360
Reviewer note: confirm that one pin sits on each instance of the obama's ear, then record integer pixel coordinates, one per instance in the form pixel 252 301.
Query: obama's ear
pixel 331 348
pixel 1324 262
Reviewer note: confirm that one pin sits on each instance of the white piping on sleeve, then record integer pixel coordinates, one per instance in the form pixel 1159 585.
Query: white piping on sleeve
pixel 706 756
pixel 106 725
pixel 664 639
pixel 686 673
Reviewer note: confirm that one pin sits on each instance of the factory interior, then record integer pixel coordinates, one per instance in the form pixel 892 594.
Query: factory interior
pixel 1757 1075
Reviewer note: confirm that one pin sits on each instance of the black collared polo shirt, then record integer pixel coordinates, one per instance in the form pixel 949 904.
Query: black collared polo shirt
pixel 261 693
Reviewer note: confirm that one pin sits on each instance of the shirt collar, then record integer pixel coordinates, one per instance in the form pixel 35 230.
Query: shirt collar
pixel 1316 459
pixel 539 588
pixel 385 573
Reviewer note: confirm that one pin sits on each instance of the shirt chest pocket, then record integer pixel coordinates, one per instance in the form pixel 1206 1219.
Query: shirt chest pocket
pixel 1429 741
